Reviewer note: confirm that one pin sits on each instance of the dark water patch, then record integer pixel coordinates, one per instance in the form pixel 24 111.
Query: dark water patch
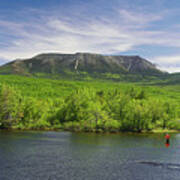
pixel 161 164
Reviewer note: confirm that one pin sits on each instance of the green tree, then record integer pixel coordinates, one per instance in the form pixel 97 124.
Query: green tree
pixel 10 107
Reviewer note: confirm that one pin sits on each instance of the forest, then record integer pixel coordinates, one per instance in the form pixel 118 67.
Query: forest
pixel 89 106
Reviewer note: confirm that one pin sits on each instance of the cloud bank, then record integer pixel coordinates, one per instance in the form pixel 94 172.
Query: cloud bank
pixel 169 63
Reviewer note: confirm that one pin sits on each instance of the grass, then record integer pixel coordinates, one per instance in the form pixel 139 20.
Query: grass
pixel 48 88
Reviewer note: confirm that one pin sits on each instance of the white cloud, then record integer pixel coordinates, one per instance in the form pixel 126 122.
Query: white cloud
pixel 110 35
pixel 61 36
pixel 170 69
pixel 168 60
pixel 138 19
pixel 168 63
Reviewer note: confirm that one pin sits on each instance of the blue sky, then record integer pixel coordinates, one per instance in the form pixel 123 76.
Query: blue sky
pixel 150 29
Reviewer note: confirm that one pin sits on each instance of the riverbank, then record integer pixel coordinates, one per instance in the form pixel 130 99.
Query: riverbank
pixel 155 131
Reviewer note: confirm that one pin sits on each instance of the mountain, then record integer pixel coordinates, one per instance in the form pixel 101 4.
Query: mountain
pixel 80 64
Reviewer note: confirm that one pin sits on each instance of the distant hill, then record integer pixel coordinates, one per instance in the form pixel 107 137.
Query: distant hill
pixel 82 64
pixel 170 79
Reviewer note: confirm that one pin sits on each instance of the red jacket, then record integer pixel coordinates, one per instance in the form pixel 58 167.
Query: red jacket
pixel 167 136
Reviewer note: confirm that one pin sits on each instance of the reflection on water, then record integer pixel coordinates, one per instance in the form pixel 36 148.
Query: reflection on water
pixel 64 155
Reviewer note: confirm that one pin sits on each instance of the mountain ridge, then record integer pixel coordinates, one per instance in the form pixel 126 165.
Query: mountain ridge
pixel 81 63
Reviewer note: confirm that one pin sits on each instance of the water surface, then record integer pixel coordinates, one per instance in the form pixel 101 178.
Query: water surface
pixel 64 155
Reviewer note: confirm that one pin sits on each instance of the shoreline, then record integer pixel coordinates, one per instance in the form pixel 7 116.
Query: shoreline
pixel 155 131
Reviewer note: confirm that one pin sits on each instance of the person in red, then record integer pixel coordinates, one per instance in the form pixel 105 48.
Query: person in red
pixel 167 137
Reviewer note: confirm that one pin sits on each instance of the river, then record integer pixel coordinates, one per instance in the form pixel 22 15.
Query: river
pixel 80 156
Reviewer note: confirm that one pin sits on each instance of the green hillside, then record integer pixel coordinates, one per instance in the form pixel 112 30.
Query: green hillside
pixel 102 106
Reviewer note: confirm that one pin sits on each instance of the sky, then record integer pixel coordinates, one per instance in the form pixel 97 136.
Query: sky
pixel 150 29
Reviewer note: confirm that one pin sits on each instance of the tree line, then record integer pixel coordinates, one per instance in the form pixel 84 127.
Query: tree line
pixel 87 109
